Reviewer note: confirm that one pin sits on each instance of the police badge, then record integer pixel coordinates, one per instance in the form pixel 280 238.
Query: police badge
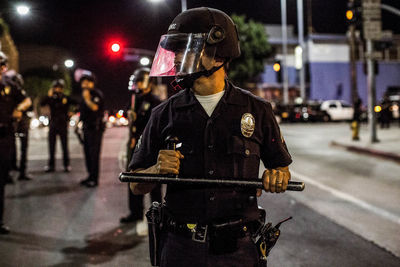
pixel 64 100
pixel 247 125
pixel 7 90
pixel 146 106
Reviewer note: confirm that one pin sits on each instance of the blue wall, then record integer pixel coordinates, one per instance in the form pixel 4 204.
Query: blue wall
pixel 331 80
pixel 327 78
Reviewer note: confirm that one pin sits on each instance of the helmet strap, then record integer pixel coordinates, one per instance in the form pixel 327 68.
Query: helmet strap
pixel 187 81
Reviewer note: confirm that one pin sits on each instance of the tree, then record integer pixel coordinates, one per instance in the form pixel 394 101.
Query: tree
pixel 254 48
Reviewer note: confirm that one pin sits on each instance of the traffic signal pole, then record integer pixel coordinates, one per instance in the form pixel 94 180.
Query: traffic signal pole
pixel 353 68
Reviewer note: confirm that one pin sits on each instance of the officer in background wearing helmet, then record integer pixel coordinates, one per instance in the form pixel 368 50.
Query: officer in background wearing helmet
pixel 60 105
pixel 224 132
pixel 13 102
pixel 139 111
pixel 21 131
pixel 91 114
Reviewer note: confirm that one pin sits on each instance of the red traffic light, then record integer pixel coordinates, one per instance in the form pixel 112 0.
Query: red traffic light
pixel 115 47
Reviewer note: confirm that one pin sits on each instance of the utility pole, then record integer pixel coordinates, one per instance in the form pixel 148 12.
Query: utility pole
pixel 183 5
pixel 300 24
pixel 372 29
pixel 284 52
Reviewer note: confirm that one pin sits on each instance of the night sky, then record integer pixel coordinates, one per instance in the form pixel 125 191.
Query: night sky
pixel 86 27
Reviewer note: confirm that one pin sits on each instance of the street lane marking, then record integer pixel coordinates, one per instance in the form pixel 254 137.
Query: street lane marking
pixel 46 157
pixel 381 212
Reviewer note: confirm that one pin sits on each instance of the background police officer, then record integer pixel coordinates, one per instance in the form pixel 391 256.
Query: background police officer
pixel 139 110
pixel 21 131
pixel 13 103
pixel 91 114
pixel 224 132
pixel 59 104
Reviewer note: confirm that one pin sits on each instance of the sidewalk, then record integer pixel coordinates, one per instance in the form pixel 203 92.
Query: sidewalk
pixel 388 146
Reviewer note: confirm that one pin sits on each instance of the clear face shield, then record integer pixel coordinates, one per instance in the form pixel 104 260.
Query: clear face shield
pixel 182 54
pixel 138 86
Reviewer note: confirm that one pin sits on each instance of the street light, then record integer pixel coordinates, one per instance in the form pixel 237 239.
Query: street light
pixel 144 61
pixel 22 10
pixel 183 4
pixel 69 63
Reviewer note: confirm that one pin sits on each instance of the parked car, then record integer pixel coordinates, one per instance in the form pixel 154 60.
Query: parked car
pixel 337 110
pixel 309 112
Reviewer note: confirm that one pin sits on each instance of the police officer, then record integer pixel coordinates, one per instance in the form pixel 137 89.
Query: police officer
pixel 59 104
pixel 13 103
pixel 224 132
pixel 91 114
pixel 21 131
pixel 139 110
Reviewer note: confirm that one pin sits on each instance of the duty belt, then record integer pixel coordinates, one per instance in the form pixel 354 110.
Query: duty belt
pixel 198 232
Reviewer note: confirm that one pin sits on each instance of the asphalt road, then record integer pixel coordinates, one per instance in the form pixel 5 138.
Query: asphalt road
pixel 347 216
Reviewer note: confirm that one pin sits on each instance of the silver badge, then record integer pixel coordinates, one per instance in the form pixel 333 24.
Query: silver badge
pixel 146 106
pixel 247 125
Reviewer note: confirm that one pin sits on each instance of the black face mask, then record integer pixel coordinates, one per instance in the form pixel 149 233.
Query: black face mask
pixel 187 81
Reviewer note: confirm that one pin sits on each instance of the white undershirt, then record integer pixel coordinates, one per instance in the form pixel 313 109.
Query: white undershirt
pixel 209 102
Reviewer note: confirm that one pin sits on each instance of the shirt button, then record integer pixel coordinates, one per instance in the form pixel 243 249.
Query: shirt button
pixel 210 172
pixel 247 152
pixel 210 146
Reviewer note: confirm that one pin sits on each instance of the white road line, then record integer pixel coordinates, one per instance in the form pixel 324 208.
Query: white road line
pixel 46 157
pixel 381 212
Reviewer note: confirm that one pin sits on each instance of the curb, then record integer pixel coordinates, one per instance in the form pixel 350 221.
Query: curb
pixel 373 152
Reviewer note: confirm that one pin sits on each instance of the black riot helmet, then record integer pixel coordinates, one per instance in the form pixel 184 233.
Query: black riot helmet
pixel 58 83
pixel 139 75
pixel 195 37
pixel 16 78
pixel 87 76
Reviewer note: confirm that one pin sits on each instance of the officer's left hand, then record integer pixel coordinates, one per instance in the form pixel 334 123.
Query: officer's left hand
pixel 275 180
pixel 17 114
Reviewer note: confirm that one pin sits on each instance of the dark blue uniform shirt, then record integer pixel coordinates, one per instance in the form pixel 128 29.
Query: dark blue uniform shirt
pixel 10 97
pixel 59 104
pixel 241 131
pixel 143 106
pixel 93 119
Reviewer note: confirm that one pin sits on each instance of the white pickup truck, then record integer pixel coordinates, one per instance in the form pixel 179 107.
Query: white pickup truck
pixel 338 110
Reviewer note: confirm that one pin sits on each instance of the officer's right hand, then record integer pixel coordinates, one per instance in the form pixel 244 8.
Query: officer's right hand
pixel 17 114
pixel 168 162
pixel 50 92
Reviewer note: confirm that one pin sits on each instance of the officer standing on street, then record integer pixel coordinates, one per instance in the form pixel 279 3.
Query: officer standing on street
pixel 59 104
pixel 13 103
pixel 140 106
pixel 21 130
pixel 91 110
pixel 224 131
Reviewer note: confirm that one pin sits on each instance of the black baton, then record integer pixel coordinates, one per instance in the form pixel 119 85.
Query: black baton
pixel 129 177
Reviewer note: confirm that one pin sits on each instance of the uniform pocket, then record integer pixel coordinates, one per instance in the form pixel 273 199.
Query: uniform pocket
pixel 245 156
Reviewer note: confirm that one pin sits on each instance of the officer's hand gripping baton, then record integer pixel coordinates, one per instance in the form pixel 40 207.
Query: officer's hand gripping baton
pixel 129 177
